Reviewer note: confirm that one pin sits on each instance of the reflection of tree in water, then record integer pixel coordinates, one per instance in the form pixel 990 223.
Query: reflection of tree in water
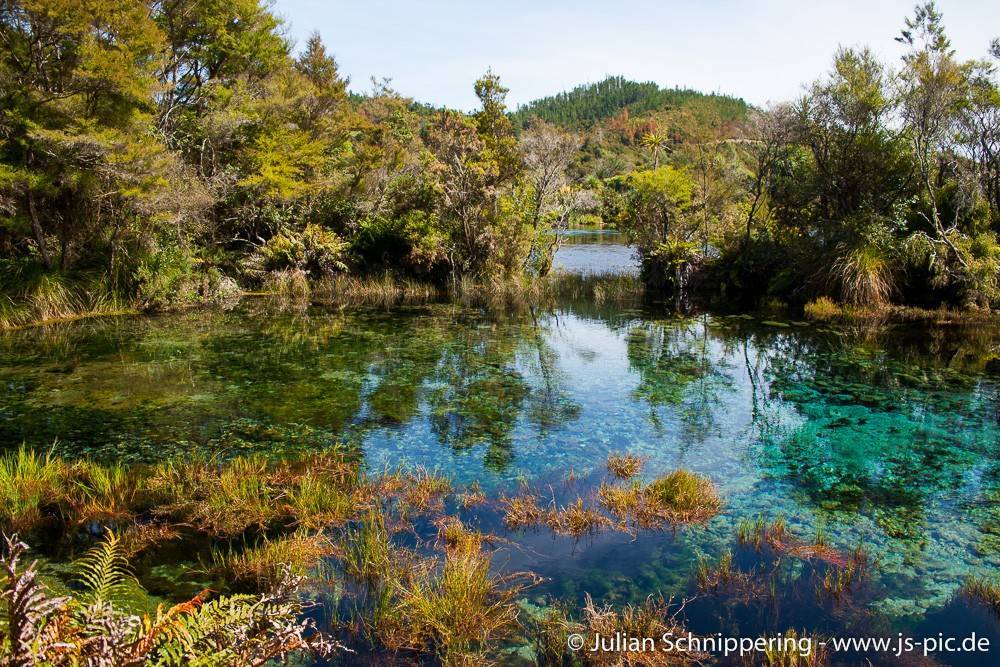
pixel 473 376
pixel 548 403
pixel 677 370
pixel 886 424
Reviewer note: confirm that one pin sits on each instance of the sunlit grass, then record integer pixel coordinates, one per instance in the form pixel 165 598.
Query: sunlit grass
pixel 28 483
pixel 263 564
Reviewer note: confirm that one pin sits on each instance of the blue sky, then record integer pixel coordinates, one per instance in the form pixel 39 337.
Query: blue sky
pixel 761 51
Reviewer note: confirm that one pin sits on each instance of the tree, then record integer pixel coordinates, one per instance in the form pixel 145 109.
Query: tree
pixel 768 134
pixel 653 208
pixel 546 153
pixel 931 91
pixel 77 82
pixel 655 142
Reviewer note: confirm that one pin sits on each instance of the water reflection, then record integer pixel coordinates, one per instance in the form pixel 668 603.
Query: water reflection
pixel 887 436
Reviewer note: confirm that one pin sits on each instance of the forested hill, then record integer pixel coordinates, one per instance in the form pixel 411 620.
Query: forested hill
pixel 593 102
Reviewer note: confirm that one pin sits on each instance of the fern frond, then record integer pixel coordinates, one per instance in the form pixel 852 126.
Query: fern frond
pixel 36 626
pixel 104 572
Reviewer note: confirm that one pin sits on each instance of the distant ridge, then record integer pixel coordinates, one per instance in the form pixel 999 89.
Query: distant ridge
pixel 591 103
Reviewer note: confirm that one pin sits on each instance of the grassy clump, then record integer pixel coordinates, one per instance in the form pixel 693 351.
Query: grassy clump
pixel 366 549
pixel 472 496
pixel 453 535
pixel 625 466
pixel 384 290
pixel 794 650
pixel 576 520
pixel 264 564
pixel 457 611
pixel 242 495
pixel 840 578
pixel 288 284
pixel 104 493
pixel 985 590
pixel 29 482
pixel 521 511
pixel 30 295
pixel 823 309
pixel 682 497
pixel 652 619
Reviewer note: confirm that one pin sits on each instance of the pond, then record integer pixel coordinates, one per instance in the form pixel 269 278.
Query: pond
pixel 595 251
pixel 885 437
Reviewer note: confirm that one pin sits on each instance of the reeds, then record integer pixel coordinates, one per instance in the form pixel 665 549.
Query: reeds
pixel 457 612
pixel 521 511
pixel 33 296
pixel 576 520
pixel 823 309
pixel 652 620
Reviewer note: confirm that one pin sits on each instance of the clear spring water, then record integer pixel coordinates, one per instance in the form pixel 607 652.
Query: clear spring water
pixel 885 436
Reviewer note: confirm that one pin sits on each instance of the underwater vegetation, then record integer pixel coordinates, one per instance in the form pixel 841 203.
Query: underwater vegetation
pixel 361 447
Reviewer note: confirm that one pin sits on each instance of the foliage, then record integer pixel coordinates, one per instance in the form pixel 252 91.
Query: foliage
pixel 590 103
pixel 40 628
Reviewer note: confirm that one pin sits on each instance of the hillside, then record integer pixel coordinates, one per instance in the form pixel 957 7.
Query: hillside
pixel 591 103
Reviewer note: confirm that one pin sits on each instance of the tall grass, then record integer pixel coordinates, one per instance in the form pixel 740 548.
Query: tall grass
pixel 264 564
pixel 32 295
pixel 457 613
pixel 28 482
pixel 865 276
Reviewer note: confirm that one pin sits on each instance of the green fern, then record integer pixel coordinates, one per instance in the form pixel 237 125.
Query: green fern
pixel 104 572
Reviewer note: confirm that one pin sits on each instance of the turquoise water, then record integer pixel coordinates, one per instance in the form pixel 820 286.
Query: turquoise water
pixel 884 436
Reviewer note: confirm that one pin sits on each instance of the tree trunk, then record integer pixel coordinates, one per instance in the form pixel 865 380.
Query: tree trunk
pixel 36 228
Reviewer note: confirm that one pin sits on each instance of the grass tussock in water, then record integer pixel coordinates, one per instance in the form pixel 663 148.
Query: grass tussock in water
pixel 625 466
pixel 456 611
pixel 30 484
pixel 985 590
pixel 792 649
pixel 262 565
pixel 30 296
pixel 682 497
pixel 654 619
pixel 576 520
pixel 521 511
pixel 498 295
pixel 383 290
